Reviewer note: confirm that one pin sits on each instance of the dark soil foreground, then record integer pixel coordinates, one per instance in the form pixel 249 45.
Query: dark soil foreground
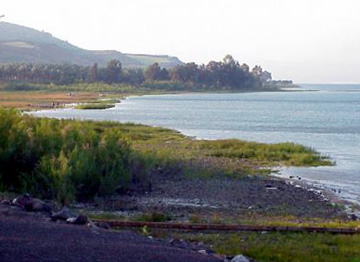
pixel 31 238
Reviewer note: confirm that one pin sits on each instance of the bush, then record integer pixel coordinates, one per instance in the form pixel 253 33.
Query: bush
pixel 63 159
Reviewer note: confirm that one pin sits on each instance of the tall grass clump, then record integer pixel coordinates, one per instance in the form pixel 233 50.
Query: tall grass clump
pixel 63 159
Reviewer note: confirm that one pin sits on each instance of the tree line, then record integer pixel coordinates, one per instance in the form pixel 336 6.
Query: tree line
pixel 225 74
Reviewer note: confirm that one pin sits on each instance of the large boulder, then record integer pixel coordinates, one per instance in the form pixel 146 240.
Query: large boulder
pixel 79 220
pixel 37 205
pixel 64 214
pixel 22 200
pixel 25 201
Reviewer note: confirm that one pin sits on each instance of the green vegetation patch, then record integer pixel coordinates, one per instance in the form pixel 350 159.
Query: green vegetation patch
pixel 62 159
pixel 283 247
pixel 288 154
pixel 153 217
pixel 99 104
pixel 95 106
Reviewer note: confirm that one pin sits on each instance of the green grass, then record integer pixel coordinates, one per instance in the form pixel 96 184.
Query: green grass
pixel 92 106
pixel 153 217
pixel 280 247
pixel 204 158
pixel 288 154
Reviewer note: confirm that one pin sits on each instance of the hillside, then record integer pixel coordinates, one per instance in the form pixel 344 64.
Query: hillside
pixel 22 44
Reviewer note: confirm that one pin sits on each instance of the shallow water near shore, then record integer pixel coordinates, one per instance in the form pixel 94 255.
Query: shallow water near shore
pixel 327 120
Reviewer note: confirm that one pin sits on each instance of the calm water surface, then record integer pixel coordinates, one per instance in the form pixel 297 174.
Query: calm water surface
pixel 327 119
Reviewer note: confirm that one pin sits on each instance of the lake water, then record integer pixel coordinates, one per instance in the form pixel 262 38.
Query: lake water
pixel 327 119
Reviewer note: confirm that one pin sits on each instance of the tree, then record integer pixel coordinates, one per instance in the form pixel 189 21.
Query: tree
pixel 113 71
pixel 257 71
pixel 229 61
pixel 245 68
pixel 188 73
pixel 93 75
pixel 155 73
pixel 265 76
pixel 134 76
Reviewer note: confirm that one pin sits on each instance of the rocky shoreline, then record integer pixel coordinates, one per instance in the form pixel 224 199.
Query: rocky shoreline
pixel 222 200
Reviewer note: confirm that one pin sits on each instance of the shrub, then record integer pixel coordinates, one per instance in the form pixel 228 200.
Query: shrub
pixel 62 159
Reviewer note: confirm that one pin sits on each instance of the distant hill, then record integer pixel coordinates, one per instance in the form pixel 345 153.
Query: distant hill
pixel 20 44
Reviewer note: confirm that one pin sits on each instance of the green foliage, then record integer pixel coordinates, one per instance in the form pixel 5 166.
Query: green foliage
pixel 61 159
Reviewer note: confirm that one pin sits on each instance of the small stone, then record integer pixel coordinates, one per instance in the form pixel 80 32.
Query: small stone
pixel 6 203
pixel 240 258
pixel 271 188
pixel 70 220
pixel 203 251
pixel 354 217
pixel 93 227
pixel 175 242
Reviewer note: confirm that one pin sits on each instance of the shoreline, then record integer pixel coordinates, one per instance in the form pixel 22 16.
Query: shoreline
pixel 351 207
pixel 336 199
pixel 333 197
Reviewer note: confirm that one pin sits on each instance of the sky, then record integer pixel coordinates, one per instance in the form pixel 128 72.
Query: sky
pixel 308 41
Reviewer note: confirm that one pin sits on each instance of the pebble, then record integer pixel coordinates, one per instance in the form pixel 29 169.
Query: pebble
pixel 240 258
pixel 203 251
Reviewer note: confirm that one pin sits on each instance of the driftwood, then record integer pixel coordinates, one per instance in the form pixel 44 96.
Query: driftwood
pixel 217 227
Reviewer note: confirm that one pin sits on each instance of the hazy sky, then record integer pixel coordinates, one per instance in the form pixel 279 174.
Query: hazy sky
pixel 304 40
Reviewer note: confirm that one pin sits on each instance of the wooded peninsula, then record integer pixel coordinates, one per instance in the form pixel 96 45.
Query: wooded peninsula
pixel 228 74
